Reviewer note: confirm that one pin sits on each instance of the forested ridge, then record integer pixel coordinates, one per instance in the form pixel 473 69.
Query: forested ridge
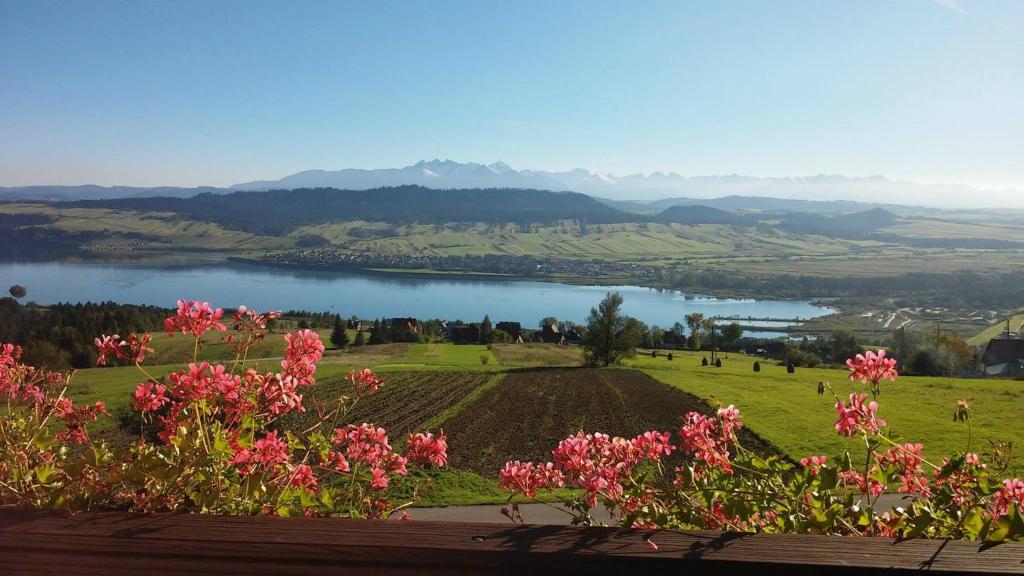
pixel 403 204
pixel 62 334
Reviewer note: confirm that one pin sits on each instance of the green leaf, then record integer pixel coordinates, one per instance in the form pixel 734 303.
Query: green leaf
pixel 43 440
pixel 920 524
pixel 828 478
pixel 44 472
pixel 973 523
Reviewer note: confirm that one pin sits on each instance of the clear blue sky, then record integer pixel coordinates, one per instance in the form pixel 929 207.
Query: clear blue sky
pixel 188 93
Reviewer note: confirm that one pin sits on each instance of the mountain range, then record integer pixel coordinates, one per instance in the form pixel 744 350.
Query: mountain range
pixel 650 187
pixel 641 192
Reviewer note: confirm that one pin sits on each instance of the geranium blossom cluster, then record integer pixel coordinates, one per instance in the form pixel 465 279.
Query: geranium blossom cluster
pixel 858 415
pixel 872 368
pixel 231 405
pixel 195 318
pixel 908 464
pixel 426 449
pixel 40 427
pixel 132 349
pixel 364 381
pixel 722 485
pixel 213 436
pixel 42 392
pixel 708 439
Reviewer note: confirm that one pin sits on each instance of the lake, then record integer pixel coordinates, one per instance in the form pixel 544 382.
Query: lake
pixel 371 296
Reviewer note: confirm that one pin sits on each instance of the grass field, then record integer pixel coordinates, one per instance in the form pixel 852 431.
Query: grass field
pixel 993 331
pixel 786 409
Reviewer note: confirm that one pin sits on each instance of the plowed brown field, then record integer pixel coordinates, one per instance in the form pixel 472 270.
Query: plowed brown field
pixel 527 413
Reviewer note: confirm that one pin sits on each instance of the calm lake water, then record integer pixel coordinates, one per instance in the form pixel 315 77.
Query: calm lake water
pixel 370 296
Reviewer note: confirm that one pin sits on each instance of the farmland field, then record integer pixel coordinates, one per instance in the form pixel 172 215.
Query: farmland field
pixel 525 415
pixel 528 397
pixel 407 402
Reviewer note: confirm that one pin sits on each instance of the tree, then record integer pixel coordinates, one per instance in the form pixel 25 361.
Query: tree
pixel 338 335
pixel 694 322
pixel 731 333
pixel 44 354
pixel 844 346
pixel 486 330
pixel 922 363
pixel 656 334
pixel 547 321
pixel 610 335
pixel 18 291
pixel 377 333
pixel 360 338
pixel 954 353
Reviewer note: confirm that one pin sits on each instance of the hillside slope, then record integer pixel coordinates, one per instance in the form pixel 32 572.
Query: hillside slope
pixel 250 211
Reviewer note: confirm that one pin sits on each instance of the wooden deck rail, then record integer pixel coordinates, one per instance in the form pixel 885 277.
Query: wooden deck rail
pixel 48 542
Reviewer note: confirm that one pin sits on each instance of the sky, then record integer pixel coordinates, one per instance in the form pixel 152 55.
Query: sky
pixel 192 93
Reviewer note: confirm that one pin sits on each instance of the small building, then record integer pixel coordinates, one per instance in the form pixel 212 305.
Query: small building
pixel 513 329
pixel 465 334
pixel 1003 357
pixel 410 325
pixel 550 334
pixel 572 335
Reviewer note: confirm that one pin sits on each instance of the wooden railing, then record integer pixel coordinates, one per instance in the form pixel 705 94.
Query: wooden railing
pixel 48 542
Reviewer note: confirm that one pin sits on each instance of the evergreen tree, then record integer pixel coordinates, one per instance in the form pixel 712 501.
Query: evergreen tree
pixel 377 334
pixel 486 330
pixel 360 338
pixel 338 335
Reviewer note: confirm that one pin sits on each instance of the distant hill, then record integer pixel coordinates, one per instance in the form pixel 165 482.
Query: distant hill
pixel 698 214
pixel 749 203
pixel 92 192
pixel 279 211
pixel 846 226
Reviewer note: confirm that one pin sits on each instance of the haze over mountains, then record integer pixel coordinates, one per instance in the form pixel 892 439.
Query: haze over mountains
pixel 814 193
pixel 649 187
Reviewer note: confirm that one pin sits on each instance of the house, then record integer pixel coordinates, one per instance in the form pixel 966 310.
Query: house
pixel 1003 357
pixel 410 325
pixel 550 334
pixel 465 334
pixel 572 335
pixel 513 329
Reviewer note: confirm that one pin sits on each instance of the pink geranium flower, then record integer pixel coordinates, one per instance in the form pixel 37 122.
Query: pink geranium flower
pixel 195 318
pixel 872 368
pixel 858 414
